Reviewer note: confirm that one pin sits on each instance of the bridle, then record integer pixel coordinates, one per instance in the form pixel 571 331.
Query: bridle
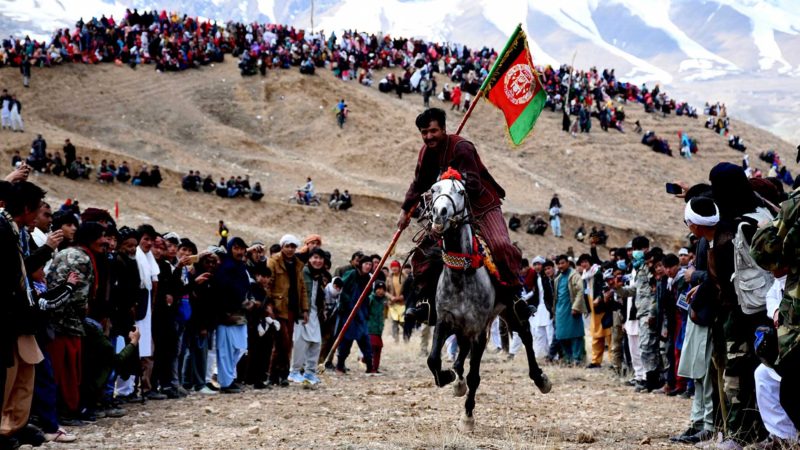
pixel 460 216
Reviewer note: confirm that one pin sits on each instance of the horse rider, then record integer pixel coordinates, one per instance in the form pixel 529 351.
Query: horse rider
pixel 440 152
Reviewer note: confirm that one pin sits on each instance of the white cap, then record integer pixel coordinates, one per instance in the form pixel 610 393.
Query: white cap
pixel 538 260
pixel 683 251
pixel 289 239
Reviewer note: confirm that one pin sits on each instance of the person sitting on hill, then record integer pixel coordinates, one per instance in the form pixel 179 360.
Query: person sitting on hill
pixel 143 177
pixel 57 167
pixel 307 67
pixel 123 172
pixel 155 177
pixel 345 201
pixel 76 170
pixel 233 188
pixel 104 174
pixel 222 188
pixel 514 223
pixel 256 193
pixel 189 183
pixel 537 225
pixel 208 184
pixel 736 143
pixel 333 201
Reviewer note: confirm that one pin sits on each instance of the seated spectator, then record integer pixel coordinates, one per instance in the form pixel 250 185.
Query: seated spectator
pixel 155 177
pixel 256 193
pixel 736 143
pixel 514 222
pixel 222 188
pixel 536 225
pixel 143 178
pixel 208 185
pixel 189 182
pixel 57 166
pixel 123 172
pixel 333 201
pixel 104 174
pixel 345 201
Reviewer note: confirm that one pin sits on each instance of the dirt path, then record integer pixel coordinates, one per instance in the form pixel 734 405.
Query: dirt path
pixel 403 409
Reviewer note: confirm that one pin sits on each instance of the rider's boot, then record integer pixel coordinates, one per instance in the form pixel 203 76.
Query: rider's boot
pixel 522 310
pixel 423 312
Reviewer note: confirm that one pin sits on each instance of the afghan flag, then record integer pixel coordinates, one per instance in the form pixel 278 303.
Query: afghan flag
pixel 513 86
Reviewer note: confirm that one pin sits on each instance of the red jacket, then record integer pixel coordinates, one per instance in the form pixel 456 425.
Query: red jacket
pixel 483 191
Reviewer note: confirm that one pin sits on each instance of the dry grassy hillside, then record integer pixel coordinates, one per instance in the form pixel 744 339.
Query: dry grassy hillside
pixel 281 128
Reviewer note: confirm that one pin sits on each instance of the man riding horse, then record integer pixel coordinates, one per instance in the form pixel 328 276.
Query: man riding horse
pixel 440 152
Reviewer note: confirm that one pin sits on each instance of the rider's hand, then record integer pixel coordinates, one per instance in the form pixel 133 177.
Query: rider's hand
pixel 404 220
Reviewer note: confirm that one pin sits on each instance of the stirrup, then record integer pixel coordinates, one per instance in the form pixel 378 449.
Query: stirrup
pixel 421 313
pixel 522 310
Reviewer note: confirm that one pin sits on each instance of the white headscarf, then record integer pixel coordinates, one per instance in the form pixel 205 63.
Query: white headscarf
pixel 690 216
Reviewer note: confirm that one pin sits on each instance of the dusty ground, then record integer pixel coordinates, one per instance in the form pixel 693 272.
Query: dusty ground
pixel 403 409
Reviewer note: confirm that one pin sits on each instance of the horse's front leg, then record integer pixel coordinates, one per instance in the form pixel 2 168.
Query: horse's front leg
pixel 473 381
pixel 464 347
pixel 440 333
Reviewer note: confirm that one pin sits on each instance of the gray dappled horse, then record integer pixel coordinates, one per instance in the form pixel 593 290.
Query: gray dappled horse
pixel 465 298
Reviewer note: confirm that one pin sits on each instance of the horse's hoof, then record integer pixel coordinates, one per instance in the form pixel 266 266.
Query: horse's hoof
pixel 544 385
pixel 446 377
pixel 460 388
pixel 467 424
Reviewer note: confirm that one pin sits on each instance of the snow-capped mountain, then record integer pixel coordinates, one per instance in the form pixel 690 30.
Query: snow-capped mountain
pixel 700 49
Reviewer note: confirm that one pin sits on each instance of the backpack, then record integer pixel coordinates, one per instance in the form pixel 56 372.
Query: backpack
pixel 750 281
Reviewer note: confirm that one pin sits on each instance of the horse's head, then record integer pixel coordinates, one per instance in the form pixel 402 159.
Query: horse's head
pixel 448 205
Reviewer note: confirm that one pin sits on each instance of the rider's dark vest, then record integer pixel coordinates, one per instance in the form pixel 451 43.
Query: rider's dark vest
pixel 484 192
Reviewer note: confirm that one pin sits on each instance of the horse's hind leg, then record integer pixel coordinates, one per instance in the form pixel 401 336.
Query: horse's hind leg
pixel 464 346
pixel 473 381
pixel 524 331
pixel 440 333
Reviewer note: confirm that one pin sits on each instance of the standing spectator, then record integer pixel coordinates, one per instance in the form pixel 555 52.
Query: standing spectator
pixel 19 351
pixel 69 153
pixel 25 70
pixel 307 338
pixel 570 307
pixel 201 324
pixel 5 109
pixel 259 336
pixel 65 348
pixel 599 328
pixel 537 283
pixel 395 299
pixel 355 281
pixel 289 302
pixel 16 115
pixel 702 217
pixel 555 220
pixel 232 287
pixel 148 274
pixel 375 321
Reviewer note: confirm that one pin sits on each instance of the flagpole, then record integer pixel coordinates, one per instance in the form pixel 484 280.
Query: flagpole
pixel 469 112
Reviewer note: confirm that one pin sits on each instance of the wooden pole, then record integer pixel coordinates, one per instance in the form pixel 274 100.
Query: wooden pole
pixel 468 113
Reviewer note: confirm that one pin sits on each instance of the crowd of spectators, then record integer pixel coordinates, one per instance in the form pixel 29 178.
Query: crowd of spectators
pixel 72 166
pixel 224 317
pixel 232 188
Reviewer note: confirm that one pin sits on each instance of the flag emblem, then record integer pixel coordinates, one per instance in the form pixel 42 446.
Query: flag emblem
pixel 517 84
